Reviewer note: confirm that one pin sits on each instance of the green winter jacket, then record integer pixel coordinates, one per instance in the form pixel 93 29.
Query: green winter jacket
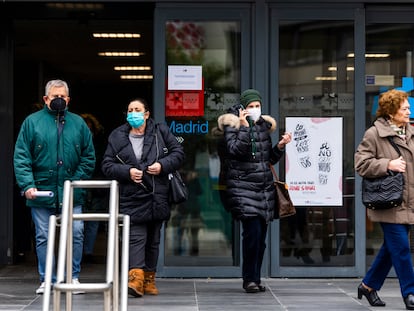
pixel 43 160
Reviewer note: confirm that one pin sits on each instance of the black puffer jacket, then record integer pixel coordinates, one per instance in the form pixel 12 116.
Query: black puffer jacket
pixel 249 180
pixel 147 203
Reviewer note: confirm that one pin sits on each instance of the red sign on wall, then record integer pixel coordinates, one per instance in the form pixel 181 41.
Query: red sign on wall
pixel 179 103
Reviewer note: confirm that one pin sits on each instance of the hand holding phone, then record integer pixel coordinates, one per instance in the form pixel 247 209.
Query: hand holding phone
pixel 244 117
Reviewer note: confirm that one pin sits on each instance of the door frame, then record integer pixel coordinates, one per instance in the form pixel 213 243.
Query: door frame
pixel 356 14
pixel 196 12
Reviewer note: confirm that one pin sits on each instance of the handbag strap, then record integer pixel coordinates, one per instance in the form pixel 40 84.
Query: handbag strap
pixel 158 132
pixel 156 142
pixel 394 145
pixel 391 140
pixel 273 172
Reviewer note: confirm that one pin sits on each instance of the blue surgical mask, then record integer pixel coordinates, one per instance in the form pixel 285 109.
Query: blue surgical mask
pixel 135 119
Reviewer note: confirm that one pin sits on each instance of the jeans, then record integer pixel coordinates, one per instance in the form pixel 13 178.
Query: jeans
pixel 40 216
pixel 254 245
pixel 144 242
pixel 91 231
pixel 96 203
pixel 395 251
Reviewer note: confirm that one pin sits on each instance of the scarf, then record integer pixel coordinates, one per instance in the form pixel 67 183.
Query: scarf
pixel 252 139
pixel 399 130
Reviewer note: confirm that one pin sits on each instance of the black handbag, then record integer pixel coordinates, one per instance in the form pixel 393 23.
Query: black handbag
pixel 383 192
pixel 178 191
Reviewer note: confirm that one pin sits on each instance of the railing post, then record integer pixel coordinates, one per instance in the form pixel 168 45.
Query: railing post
pixel 111 286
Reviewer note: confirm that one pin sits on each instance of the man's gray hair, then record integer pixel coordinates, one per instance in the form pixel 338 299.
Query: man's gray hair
pixel 56 83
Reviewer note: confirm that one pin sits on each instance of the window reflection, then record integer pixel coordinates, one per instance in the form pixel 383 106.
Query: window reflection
pixel 389 64
pixel 200 231
pixel 316 79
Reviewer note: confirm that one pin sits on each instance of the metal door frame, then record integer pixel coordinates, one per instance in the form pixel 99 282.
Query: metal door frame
pixel 353 13
pixel 195 12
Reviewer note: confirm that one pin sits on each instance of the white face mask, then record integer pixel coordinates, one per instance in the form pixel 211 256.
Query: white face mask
pixel 255 113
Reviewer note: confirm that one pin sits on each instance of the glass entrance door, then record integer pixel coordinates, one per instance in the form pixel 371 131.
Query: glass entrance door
pixel 203 63
pixel 316 98
pixel 389 64
pixel 200 232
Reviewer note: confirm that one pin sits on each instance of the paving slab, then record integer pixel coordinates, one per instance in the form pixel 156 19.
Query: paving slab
pixel 18 284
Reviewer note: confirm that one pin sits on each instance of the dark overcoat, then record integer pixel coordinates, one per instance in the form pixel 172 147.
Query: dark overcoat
pixel 149 201
pixel 248 178
pixel 50 150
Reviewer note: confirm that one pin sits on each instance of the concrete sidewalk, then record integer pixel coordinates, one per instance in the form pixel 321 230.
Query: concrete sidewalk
pixel 18 284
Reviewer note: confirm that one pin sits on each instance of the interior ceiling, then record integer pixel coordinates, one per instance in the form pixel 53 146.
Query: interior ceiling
pixel 60 39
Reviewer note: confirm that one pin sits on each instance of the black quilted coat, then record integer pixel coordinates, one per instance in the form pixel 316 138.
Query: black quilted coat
pixel 148 202
pixel 249 180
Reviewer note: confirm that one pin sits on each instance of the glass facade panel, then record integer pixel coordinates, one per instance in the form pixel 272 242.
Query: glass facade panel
pixel 316 80
pixel 389 64
pixel 200 231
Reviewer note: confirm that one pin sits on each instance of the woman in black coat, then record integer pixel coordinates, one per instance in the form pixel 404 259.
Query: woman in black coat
pixel 249 181
pixel 140 155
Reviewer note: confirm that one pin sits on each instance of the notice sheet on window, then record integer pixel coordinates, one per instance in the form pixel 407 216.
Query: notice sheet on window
pixel 314 161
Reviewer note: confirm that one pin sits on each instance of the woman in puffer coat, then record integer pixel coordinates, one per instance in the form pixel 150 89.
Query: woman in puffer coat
pixel 249 181
pixel 374 157
pixel 140 155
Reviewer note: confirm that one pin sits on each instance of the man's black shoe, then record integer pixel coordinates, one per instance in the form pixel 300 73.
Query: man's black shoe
pixel 251 287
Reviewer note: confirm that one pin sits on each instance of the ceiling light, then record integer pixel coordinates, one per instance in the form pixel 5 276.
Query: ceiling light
pixel 325 78
pixel 136 77
pixel 117 35
pixel 120 54
pixel 333 68
pixel 76 6
pixel 372 55
pixel 377 55
pixel 127 68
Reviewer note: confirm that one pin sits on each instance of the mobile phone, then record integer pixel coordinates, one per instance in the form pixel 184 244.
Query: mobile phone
pixel 239 106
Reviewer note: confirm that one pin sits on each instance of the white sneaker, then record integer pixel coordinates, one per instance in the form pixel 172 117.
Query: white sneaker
pixel 77 292
pixel 41 289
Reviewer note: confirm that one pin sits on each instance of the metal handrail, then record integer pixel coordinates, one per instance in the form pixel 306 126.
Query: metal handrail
pixel 111 286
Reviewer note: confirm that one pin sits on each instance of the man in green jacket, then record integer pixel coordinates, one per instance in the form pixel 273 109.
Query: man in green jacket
pixel 53 145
